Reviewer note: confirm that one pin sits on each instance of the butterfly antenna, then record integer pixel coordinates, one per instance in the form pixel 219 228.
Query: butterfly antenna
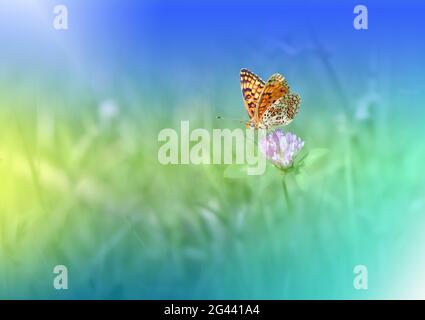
pixel 230 119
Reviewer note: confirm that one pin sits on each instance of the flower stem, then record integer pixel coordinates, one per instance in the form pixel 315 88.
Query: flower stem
pixel 286 194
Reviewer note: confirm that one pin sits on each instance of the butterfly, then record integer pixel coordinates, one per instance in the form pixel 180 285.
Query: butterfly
pixel 269 104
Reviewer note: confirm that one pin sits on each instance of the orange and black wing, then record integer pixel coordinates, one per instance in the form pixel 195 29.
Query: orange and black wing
pixel 252 86
pixel 275 88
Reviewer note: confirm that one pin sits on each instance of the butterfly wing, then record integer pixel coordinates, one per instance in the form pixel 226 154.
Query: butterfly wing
pixel 252 86
pixel 282 112
pixel 275 88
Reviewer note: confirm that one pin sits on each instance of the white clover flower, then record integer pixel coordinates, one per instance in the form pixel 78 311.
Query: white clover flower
pixel 281 148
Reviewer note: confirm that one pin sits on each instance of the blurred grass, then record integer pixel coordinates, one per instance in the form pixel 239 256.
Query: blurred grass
pixel 89 193
pixel 83 187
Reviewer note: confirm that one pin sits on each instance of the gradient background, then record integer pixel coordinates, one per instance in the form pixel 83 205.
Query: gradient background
pixel 80 183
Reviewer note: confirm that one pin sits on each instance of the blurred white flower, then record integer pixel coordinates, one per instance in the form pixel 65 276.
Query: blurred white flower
pixel 363 108
pixel 108 110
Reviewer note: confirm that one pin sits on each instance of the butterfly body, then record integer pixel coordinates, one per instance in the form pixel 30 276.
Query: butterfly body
pixel 269 104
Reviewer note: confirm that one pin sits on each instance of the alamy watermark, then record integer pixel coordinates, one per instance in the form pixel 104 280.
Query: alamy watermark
pixel 60 20
pixel 360 21
pixel 60 281
pixel 221 146
pixel 361 280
